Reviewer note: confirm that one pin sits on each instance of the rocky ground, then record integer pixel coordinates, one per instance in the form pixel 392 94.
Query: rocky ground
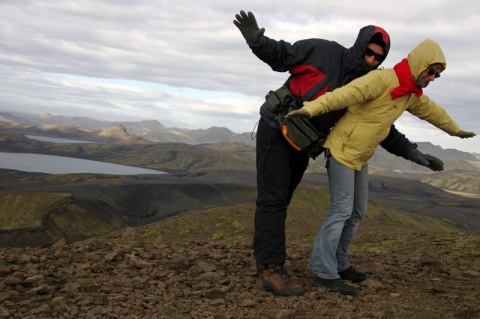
pixel 128 275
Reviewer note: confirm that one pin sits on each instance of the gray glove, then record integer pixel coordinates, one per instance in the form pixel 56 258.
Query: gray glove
pixel 297 113
pixel 427 160
pixel 247 24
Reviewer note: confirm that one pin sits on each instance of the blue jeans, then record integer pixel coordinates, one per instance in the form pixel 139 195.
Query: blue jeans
pixel 348 205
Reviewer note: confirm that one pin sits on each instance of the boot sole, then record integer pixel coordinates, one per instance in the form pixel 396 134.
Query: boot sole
pixel 353 280
pixel 293 292
pixel 343 292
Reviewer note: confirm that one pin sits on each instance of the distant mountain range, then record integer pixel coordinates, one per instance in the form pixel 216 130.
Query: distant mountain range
pixel 153 132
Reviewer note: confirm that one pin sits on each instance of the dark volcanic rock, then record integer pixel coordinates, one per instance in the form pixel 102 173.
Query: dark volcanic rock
pixel 201 280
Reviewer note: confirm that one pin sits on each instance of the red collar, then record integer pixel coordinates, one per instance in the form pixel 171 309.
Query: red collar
pixel 407 84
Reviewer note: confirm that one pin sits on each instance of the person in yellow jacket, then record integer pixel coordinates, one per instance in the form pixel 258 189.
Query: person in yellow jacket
pixel 373 103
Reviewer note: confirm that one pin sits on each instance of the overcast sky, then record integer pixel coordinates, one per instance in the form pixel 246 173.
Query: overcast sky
pixel 185 64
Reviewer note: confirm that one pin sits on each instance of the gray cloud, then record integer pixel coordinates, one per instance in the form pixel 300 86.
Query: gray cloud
pixel 187 65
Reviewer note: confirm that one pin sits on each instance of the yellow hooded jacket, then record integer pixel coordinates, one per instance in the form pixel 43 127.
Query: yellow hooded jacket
pixel 371 110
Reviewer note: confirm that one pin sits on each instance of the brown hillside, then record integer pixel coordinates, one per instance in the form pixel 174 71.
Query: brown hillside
pixel 200 265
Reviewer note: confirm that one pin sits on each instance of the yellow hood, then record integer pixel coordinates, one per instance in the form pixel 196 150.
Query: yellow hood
pixel 423 55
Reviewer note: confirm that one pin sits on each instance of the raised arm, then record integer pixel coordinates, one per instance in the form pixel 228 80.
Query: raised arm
pixel 280 55
pixel 247 24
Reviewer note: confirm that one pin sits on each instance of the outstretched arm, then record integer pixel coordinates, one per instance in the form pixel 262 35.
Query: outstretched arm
pixel 429 111
pixel 396 143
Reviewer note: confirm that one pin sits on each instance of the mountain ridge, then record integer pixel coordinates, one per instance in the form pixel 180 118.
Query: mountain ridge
pixel 153 130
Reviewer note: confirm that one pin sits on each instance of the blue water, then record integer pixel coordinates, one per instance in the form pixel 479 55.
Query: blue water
pixel 65 165
pixel 56 140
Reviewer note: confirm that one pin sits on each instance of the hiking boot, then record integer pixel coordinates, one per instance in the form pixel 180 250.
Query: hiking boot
pixel 276 279
pixel 353 275
pixel 335 285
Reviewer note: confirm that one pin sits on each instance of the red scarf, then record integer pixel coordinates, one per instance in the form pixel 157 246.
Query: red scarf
pixel 407 84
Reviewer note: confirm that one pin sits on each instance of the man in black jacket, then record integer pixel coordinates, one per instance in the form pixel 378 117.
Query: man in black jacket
pixel 316 66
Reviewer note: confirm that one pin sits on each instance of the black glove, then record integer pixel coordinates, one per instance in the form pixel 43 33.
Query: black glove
pixel 427 160
pixel 247 24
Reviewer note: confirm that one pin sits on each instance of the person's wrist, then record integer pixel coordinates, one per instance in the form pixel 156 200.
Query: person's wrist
pixel 254 44
pixel 413 153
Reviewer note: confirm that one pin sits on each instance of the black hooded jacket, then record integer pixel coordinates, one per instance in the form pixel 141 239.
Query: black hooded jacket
pixel 317 66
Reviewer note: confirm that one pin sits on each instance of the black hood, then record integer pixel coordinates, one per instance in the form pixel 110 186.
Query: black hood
pixel 354 58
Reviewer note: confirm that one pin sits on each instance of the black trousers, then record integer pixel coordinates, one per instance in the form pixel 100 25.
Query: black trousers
pixel 280 169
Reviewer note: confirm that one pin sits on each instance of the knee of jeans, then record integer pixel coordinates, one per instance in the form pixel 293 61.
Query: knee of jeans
pixel 334 217
pixel 354 220
pixel 360 208
pixel 341 212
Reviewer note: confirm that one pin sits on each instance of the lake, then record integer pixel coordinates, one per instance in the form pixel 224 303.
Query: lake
pixel 57 140
pixel 66 165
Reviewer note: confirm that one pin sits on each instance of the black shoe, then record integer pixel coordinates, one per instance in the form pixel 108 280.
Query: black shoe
pixel 335 285
pixel 353 275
